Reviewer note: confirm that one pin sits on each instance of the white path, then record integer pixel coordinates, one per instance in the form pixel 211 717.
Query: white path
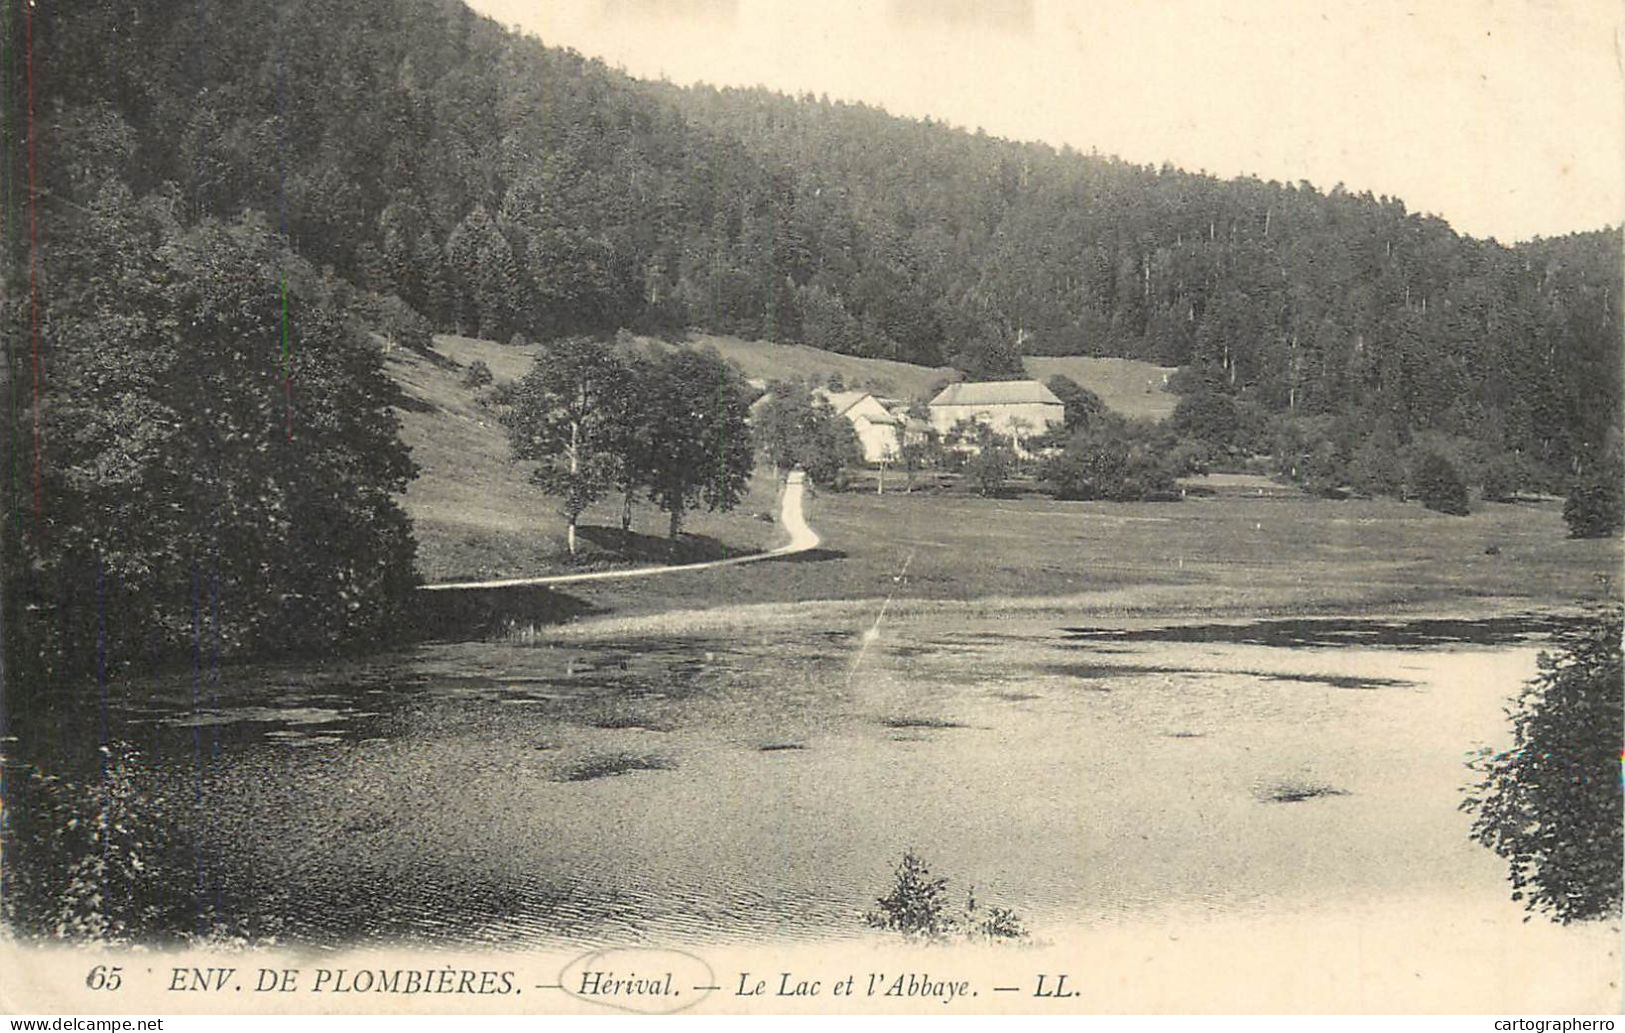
pixel 791 516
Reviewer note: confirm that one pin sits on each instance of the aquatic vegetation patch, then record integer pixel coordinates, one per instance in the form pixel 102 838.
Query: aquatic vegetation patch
pixel 1297 792
pixel 921 722
pixel 1336 681
pixel 1102 670
pixel 606 765
pixel 1089 671
pixel 1335 631
pixel 616 722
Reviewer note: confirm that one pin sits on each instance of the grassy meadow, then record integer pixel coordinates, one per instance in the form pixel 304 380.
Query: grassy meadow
pixel 1126 386
pixel 1249 546
pixel 1227 553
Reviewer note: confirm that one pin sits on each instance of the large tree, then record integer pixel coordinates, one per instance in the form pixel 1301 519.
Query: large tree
pixel 223 456
pixel 1107 461
pixel 796 428
pixel 567 416
pixel 698 434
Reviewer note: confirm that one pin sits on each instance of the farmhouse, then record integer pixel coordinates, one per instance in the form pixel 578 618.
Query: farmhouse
pixel 1018 408
pixel 878 430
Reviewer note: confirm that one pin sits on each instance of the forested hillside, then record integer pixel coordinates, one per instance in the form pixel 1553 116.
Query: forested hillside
pixel 503 187
pixel 1305 301
pixel 402 165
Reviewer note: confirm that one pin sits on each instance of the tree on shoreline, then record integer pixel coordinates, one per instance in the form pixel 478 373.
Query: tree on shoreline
pixel 1439 486
pixel 1550 805
pixel 225 462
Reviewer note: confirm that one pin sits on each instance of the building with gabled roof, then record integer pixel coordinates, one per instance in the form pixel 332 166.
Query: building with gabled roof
pixel 1019 409
pixel 879 432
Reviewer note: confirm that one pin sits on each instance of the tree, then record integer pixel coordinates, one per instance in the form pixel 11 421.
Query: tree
pixel 1550 806
pixel 1438 485
pixel 1106 463
pixel 482 265
pixel 795 428
pixel 213 408
pixel 1377 465
pixel 699 444
pixel 992 461
pixel 1595 507
pixel 478 375
pixel 921 450
pixel 1083 406
pixel 565 415
pixel 1229 425
pixel 628 438
pixel 989 353
pixel 1502 479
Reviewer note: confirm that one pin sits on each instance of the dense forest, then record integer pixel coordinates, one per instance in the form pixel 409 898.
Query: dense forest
pixel 407 165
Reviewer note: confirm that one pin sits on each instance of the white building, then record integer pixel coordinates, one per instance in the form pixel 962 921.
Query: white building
pixel 878 430
pixel 1019 409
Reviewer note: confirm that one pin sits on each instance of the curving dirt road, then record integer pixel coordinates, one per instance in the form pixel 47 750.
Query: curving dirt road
pixel 791 517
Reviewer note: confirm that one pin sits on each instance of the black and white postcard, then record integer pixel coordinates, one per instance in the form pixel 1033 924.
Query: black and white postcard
pixel 739 506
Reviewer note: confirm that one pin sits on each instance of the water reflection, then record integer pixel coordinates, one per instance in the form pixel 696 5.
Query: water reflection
pixel 689 789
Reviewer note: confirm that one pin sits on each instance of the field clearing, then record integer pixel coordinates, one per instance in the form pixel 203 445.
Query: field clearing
pixel 1223 554
pixel 764 360
pixel 1127 386
pixel 507 361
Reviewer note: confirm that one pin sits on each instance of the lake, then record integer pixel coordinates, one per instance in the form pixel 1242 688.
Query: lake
pixel 682 782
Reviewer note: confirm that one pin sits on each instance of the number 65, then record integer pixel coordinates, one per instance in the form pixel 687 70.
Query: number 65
pixel 104 978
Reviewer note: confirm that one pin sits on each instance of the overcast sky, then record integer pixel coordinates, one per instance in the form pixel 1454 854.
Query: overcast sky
pixel 1506 117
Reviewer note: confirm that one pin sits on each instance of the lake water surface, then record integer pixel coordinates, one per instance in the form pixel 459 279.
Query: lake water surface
pixel 747 787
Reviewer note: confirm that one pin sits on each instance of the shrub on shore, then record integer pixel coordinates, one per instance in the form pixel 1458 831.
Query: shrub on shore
pixel 917 906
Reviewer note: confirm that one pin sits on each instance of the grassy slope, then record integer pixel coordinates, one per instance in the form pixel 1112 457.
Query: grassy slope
pixel 764 360
pixel 1128 386
pixel 476 514
pixel 507 361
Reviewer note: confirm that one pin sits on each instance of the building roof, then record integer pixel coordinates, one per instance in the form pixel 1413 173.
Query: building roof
pixel 997 392
pixel 841 400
